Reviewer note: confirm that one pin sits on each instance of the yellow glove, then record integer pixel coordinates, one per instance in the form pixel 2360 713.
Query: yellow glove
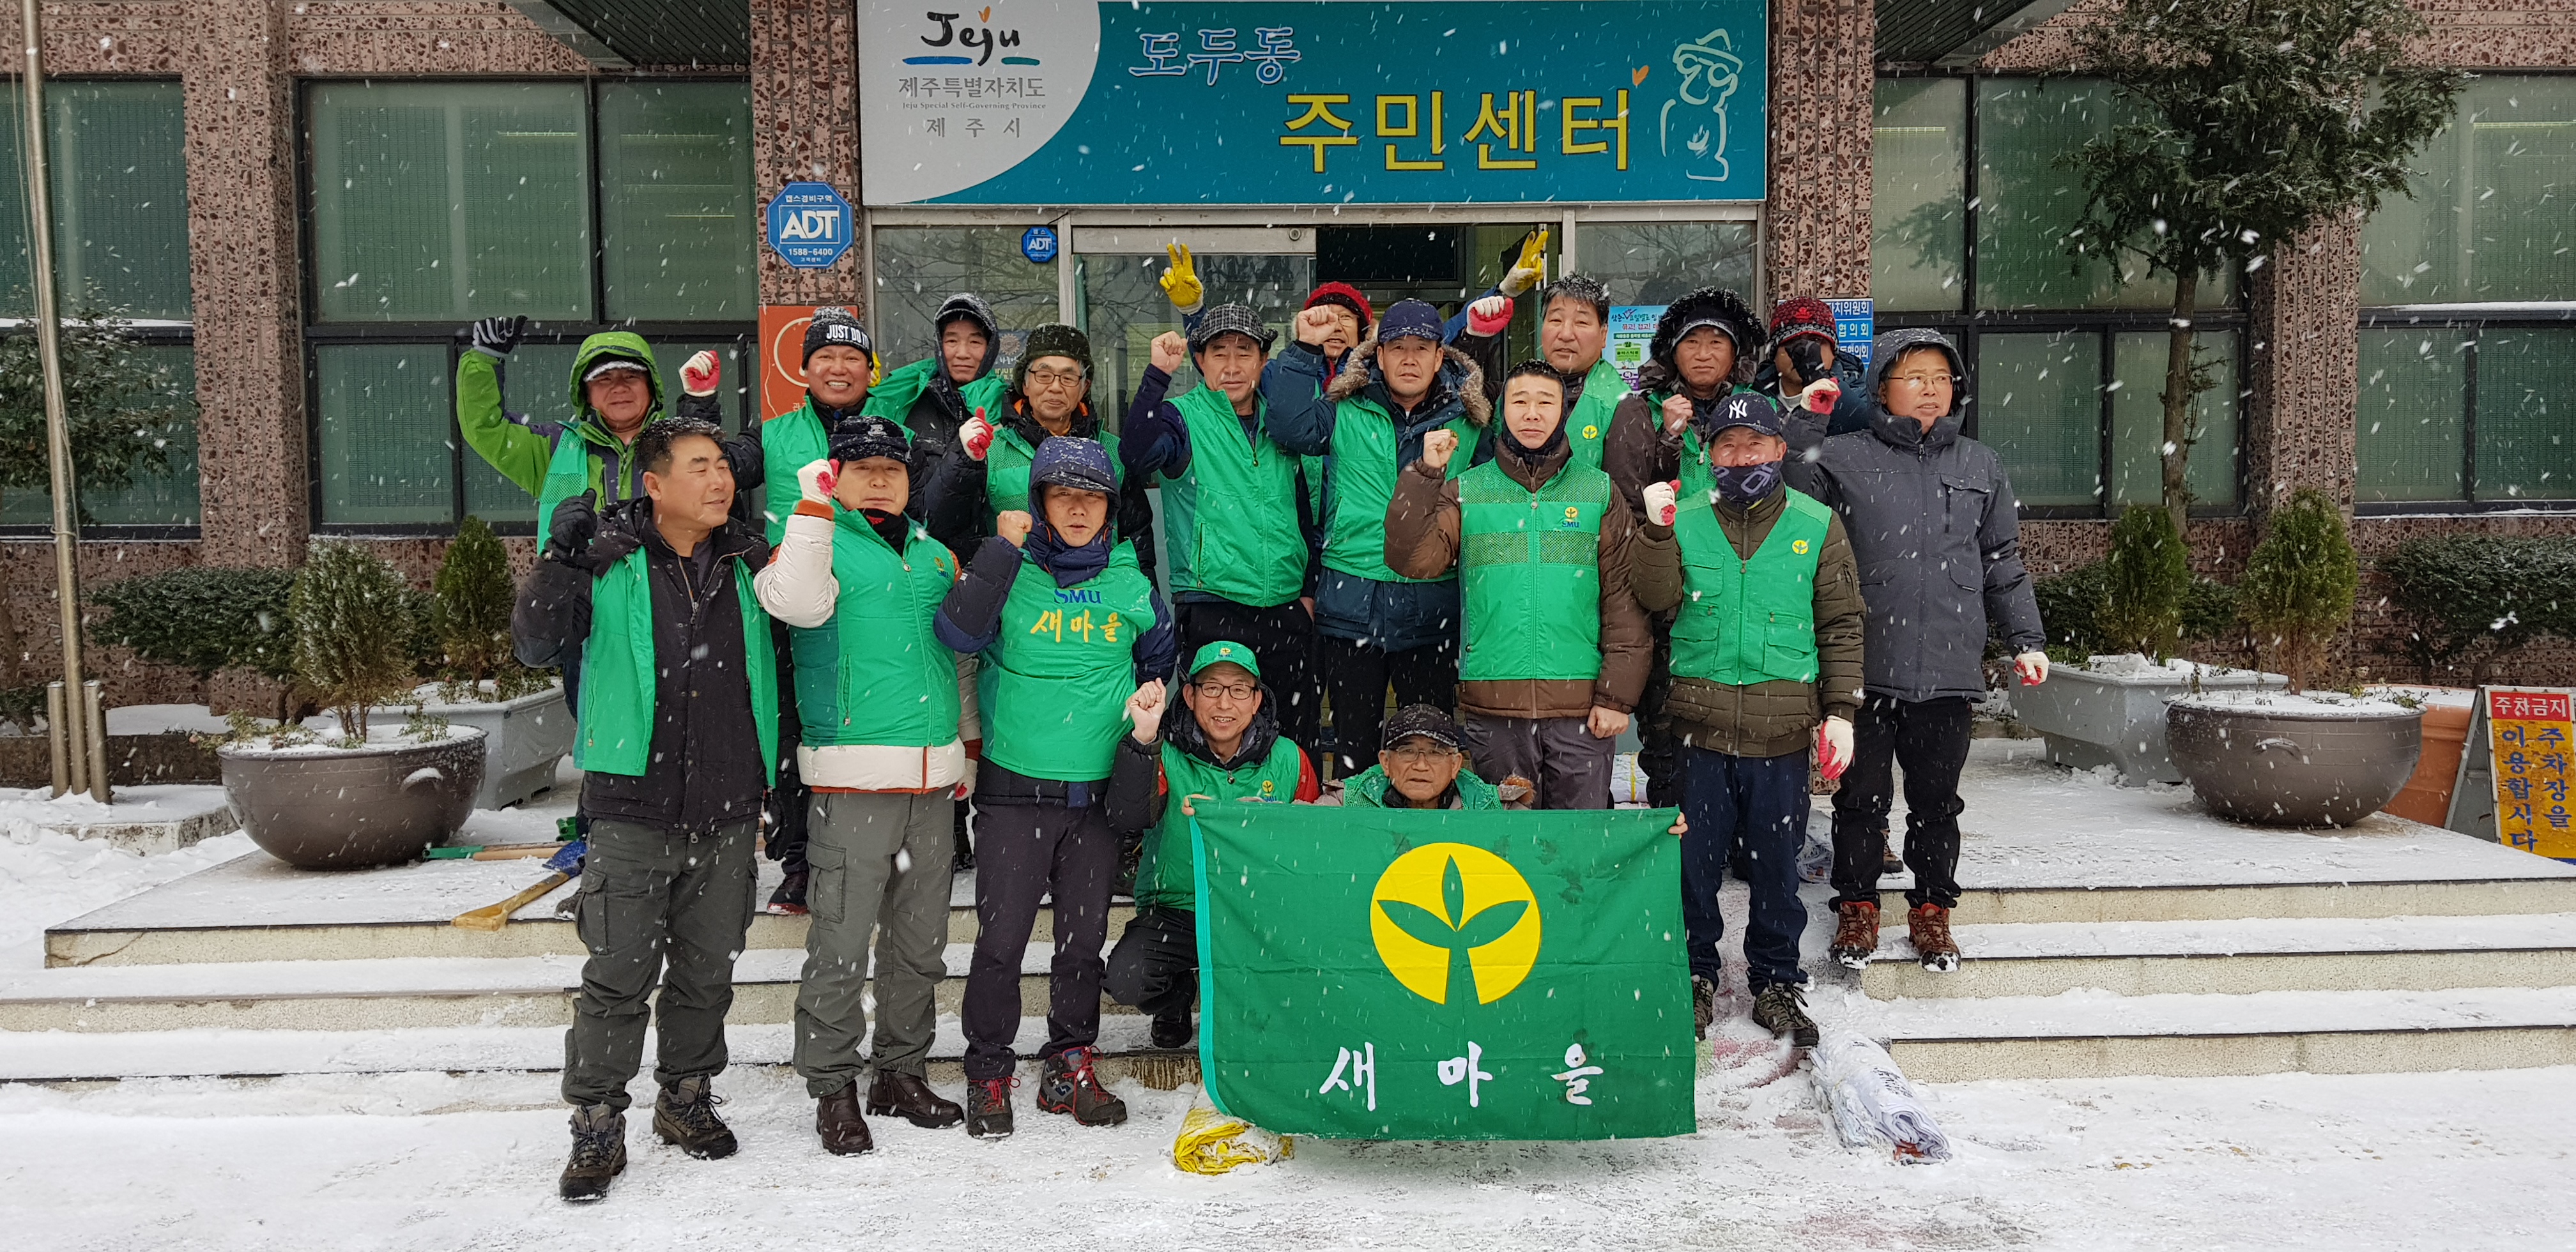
pixel 1181 280
pixel 1527 271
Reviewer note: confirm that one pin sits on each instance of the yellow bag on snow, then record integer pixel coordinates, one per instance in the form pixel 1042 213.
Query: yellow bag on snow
pixel 1212 1143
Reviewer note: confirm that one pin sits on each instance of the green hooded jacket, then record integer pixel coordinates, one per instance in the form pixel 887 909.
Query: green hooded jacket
pixel 538 455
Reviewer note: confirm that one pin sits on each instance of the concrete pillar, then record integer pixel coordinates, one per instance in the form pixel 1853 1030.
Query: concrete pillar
pixel 805 126
pixel 244 273
pixel 1816 224
pixel 2305 368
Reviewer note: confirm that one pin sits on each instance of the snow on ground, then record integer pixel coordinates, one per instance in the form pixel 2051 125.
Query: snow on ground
pixel 48 877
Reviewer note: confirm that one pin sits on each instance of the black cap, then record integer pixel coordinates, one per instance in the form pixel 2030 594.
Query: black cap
pixel 1422 721
pixel 1742 408
pixel 860 438
pixel 832 325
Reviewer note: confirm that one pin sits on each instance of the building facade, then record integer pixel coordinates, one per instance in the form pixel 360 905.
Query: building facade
pixel 299 205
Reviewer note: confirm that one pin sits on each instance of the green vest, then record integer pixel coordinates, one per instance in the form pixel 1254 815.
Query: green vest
pixel 1749 621
pixel 1007 462
pixel 893 396
pixel 1364 449
pixel 1589 424
pixel 1368 789
pixel 617 671
pixel 568 475
pixel 789 442
pixel 1053 688
pixel 1530 565
pixel 874 674
pixel 1167 877
pixel 1247 548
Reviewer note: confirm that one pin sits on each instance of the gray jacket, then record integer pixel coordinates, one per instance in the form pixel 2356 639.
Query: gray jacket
pixel 1932 522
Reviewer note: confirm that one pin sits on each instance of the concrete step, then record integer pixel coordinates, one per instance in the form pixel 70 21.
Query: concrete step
pixel 1125 1053
pixel 2237 957
pixel 2088 1034
pixel 2444 897
pixel 385 994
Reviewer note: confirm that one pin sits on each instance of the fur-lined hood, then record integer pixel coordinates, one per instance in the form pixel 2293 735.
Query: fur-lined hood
pixel 1458 369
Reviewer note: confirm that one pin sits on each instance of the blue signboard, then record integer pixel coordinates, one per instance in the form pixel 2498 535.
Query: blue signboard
pixel 1038 244
pixel 1313 101
pixel 1855 324
pixel 810 225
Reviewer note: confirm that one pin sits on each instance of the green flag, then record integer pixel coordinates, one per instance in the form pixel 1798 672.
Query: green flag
pixel 1409 974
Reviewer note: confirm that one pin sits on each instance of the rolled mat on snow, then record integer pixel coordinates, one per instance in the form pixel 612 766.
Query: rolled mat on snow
pixel 1212 1143
pixel 1871 1103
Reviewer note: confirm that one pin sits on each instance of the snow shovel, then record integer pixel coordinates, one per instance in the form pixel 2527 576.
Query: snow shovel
pixel 566 865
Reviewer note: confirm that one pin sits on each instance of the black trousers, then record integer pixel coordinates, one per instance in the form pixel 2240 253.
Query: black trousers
pixel 1930 739
pixel 1281 637
pixel 1022 853
pixel 1358 674
pixel 1155 966
pixel 1658 748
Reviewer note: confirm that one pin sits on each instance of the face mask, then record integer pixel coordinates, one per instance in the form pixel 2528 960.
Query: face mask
pixel 1742 485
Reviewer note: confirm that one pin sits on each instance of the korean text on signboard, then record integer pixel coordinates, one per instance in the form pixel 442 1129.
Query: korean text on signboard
pixel 2532 745
pixel 1316 101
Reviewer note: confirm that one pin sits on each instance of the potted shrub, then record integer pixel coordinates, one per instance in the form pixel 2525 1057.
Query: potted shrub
pixel 370 791
pixel 2297 757
pixel 526 724
pixel 2120 624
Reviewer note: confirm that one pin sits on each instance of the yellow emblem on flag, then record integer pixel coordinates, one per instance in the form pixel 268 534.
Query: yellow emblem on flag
pixel 1443 901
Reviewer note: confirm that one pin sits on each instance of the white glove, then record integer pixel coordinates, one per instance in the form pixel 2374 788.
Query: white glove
pixel 976 436
pixel 2032 667
pixel 700 373
pixel 1833 747
pixel 1820 395
pixel 1660 506
pixel 816 480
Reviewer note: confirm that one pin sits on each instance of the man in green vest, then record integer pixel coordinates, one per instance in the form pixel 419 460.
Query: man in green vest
pixel 1573 332
pixel 1766 659
pixel 1228 748
pixel 1556 648
pixel 935 396
pixel 885 716
pixel 1238 525
pixel 678 739
pixel 1421 764
pixel 1068 627
pixel 987 473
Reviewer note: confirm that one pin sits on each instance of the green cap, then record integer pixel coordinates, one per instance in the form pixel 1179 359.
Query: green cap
pixel 1227 651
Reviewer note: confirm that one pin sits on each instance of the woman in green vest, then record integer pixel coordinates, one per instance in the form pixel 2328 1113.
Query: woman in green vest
pixel 1766 660
pixel 1067 629
pixel 1556 648
pixel 936 396
pixel 1228 747
pixel 987 473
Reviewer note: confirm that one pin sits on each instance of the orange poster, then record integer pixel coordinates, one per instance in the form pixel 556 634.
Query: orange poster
pixel 782 357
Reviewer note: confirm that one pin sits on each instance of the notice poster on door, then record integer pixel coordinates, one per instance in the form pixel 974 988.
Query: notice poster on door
pixel 782 357
pixel 2531 738
pixel 1632 332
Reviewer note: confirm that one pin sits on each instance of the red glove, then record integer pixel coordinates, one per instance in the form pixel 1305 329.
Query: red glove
pixel 1820 395
pixel 976 435
pixel 700 373
pixel 1833 748
pixel 1661 501
pixel 1488 317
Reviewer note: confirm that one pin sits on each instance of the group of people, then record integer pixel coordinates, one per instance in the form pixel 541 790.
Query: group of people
pixel 1760 554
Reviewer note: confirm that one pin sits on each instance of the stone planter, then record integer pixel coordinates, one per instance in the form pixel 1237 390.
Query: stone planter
pixel 2111 711
pixel 2295 762
pixel 523 739
pixel 346 808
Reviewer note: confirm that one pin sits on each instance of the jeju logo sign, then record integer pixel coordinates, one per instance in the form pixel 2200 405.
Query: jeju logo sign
pixel 950 96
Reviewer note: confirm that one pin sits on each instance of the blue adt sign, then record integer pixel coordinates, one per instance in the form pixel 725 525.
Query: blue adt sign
pixel 1037 243
pixel 810 225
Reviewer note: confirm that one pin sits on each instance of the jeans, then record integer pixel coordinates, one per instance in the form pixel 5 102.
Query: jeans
pixel 1751 805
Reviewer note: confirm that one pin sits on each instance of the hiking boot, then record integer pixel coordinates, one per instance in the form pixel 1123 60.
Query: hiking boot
pixel 988 1107
pixel 1857 937
pixel 837 1121
pixel 908 1097
pixel 790 896
pixel 598 1153
pixel 1069 1086
pixel 1782 1010
pixel 685 1116
pixel 1703 1004
pixel 1172 1030
pixel 1929 925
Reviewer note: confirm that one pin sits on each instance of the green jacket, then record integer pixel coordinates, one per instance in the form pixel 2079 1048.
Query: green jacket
pixel 525 451
pixel 893 396
pixel 1368 789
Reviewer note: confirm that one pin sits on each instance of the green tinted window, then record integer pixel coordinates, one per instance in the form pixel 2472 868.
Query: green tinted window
pixel 120 200
pixel 676 224
pixel 1660 262
pixel 919 267
pixel 2526 418
pixel 450 201
pixel 1919 194
pixel 387 433
pixel 2027 203
pixel 2040 407
pixel 2493 216
pixel 2413 412
pixel 2138 420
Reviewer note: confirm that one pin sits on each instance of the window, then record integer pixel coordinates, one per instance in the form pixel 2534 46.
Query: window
pixel 2066 361
pixel 2493 216
pixel 919 267
pixel 1660 262
pixel 2474 415
pixel 608 205
pixel 120 218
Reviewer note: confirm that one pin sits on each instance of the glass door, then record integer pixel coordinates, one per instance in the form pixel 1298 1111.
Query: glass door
pixel 1119 300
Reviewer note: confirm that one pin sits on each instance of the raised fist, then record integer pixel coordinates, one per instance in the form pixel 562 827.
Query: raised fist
pixel 1677 413
pixel 1819 396
pixel 1168 351
pixel 816 480
pixel 1438 447
pixel 1145 709
pixel 700 374
pixel 1488 317
pixel 976 436
pixel 496 336
pixel 1315 325
pixel 1659 498
pixel 1013 525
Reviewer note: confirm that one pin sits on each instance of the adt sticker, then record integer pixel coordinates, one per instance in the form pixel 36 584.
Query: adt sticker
pixel 1037 243
pixel 810 225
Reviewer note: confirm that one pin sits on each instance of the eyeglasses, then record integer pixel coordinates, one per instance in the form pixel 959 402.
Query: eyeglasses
pixel 1923 380
pixel 1420 756
pixel 1049 380
pixel 1236 692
